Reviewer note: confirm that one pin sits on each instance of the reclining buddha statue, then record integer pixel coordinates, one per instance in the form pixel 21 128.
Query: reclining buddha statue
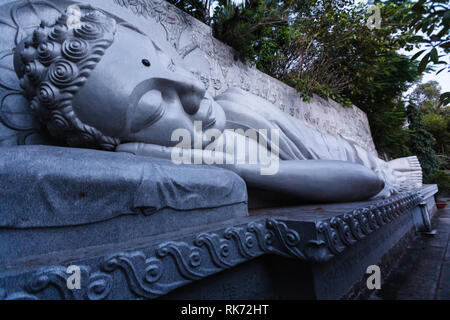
pixel 104 84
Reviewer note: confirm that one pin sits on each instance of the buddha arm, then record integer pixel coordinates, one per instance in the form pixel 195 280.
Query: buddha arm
pixel 300 141
pixel 310 180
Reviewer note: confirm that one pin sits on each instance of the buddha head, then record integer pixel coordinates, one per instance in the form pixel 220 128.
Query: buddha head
pixel 104 82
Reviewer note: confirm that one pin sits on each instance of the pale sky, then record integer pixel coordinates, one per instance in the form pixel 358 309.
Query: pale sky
pixel 443 78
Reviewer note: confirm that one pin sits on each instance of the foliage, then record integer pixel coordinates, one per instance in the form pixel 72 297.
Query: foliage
pixel 257 29
pixel 389 133
pixel 433 131
pixel 437 125
pixel 199 9
pixel 377 90
pixel 442 179
pixel 429 20
pixel 436 118
pixel 421 141
pixel 427 94
pixel 321 47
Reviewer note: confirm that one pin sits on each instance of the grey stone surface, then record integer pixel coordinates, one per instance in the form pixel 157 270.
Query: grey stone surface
pixel 151 267
pixel 264 278
pixel 443 289
pixel 336 278
pixel 19 243
pixel 427 193
pixel 44 186
pixel 308 233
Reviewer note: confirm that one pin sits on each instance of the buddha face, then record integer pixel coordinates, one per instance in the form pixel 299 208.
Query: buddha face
pixel 138 94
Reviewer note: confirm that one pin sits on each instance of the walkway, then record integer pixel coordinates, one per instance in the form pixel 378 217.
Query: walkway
pixel 424 271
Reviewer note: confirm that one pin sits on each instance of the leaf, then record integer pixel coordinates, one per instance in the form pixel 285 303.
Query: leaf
pixel 445 45
pixel 441 33
pixel 425 26
pixel 418 26
pixel 418 7
pixel 446 20
pixel 434 55
pixel 418 39
pixel 445 95
pixel 414 57
pixel 430 30
pixel 423 63
pixel 441 70
pixel 445 98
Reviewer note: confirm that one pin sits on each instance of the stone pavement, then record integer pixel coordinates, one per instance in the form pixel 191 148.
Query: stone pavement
pixel 424 271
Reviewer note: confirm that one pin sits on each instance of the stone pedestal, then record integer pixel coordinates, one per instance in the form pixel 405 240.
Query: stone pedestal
pixel 311 252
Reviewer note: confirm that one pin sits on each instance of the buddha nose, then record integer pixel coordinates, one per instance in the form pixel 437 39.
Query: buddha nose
pixel 190 90
pixel 191 94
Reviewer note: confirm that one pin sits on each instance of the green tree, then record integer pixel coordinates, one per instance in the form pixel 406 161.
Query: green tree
pixel 199 9
pixel 436 118
pixel 442 179
pixel 377 90
pixel 429 20
pixel 437 125
pixel 427 95
pixel 371 73
pixel 257 29
pixel 421 141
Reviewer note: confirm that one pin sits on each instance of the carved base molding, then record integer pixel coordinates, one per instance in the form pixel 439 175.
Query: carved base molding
pixel 345 230
pixel 151 271
pixel 428 190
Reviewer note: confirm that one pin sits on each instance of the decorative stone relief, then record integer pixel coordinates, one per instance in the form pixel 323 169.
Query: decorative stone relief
pixel 343 231
pixel 153 271
pixel 157 270
pixel 17 123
